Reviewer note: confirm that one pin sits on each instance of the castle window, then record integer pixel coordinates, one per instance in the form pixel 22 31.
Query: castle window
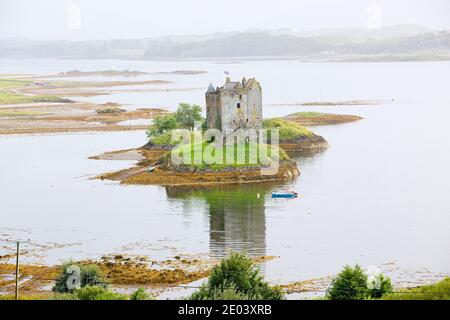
pixel 238 105
pixel 240 97
pixel 247 119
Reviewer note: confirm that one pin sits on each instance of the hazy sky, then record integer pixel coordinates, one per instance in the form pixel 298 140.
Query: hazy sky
pixel 104 19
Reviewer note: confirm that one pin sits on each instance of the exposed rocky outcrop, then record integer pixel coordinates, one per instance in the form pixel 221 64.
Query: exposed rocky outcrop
pixel 313 143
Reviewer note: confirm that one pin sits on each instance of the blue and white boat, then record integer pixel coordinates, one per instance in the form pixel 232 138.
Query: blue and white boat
pixel 287 194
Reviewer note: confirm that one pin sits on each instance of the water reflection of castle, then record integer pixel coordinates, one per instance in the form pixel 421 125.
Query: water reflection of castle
pixel 236 216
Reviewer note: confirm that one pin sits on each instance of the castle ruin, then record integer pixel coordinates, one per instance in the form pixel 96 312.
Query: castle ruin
pixel 235 105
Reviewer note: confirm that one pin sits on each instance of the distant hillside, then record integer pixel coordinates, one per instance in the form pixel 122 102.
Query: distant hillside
pixel 407 42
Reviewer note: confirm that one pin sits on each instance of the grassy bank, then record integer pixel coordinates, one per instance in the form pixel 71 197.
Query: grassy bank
pixel 8 113
pixel 288 130
pixel 12 83
pixel 208 155
pixel 436 291
pixel 12 98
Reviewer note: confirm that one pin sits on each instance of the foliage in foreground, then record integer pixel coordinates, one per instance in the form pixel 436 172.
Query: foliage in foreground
pixel 98 293
pixel 352 284
pixel 89 275
pixel 140 294
pixel 237 277
pixel 436 291
pixel 102 293
pixel 384 287
pixel 86 293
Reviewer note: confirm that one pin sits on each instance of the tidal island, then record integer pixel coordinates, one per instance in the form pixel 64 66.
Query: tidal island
pixel 232 145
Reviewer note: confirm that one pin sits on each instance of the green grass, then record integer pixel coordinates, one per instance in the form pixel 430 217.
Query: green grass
pixel 163 139
pixel 9 97
pixel 12 98
pixel 288 130
pixel 19 113
pixel 27 296
pixel 437 291
pixel 12 83
pixel 207 155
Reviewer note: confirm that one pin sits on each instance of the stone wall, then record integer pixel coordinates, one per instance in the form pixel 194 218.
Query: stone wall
pixel 213 114
pixel 240 107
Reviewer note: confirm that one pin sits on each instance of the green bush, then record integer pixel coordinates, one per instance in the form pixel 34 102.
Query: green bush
pixel 437 291
pixel 237 277
pixel 98 293
pixel 112 110
pixel 380 286
pixel 229 293
pixel 162 125
pixel 353 284
pixel 184 118
pixel 140 294
pixel 88 275
pixel 350 284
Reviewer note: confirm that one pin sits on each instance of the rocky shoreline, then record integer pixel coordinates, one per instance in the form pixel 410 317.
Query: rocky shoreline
pixel 164 176
pixel 305 144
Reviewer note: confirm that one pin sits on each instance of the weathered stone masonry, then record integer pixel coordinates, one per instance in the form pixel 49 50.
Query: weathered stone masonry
pixel 235 105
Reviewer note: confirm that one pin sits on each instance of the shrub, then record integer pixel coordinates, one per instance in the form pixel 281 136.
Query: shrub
pixel 350 284
pixel 89 275
pixel 98 293
pixel 353 284
pixel 380 286
pixel 229 293
pixel 237 277
pixel 111 110
pixel 162 125
pixel 101 293
pixel 140 294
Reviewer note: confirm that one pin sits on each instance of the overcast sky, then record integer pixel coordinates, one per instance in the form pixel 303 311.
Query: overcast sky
pixel 105 19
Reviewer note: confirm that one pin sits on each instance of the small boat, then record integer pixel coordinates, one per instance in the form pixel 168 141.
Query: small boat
pixel 150 169
pixel 287 194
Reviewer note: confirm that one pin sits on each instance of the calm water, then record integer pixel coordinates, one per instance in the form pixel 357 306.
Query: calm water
pixel 377 196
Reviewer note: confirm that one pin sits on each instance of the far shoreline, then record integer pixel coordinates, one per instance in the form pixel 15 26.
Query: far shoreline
pixel 233 60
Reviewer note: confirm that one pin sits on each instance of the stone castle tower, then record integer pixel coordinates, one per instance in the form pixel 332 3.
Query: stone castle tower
pixel 235 105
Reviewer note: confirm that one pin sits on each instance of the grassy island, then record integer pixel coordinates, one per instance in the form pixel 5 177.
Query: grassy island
pixel 209 156
pixel 295 138
pixel 310 118
pixel 9 96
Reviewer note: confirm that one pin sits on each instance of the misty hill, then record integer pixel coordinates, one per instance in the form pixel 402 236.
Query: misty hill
pixel 407 42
